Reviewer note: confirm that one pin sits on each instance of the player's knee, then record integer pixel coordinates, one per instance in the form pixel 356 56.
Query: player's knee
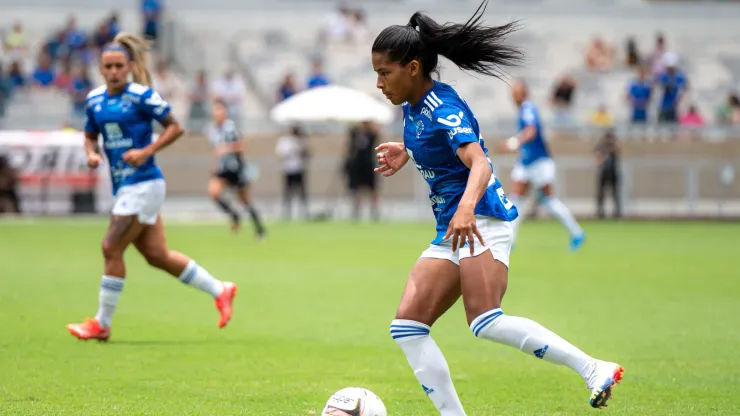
pixel 111 251
pixel 157 258
pixel 485 320
pixel 403 330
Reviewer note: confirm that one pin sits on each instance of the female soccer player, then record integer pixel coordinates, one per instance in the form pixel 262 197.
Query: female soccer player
pixel 122 112
pixel 229 167
pixel 535 166
pixel 442 138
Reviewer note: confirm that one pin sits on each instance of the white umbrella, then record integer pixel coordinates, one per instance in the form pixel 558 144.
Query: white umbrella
pixel 332 103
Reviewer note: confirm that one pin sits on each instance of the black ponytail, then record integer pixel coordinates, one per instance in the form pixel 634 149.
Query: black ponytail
pixel 471 46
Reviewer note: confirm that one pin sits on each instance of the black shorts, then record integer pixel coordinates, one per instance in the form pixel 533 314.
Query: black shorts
pixel 234 179
pixel 362 178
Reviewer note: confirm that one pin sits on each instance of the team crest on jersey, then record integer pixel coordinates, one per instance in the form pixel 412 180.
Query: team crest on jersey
pixel 425 111
pixel 419 128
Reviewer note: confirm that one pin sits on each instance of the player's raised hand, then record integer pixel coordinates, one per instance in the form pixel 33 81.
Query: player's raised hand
pixel 392 157
pixel 94 160
pixel 463 227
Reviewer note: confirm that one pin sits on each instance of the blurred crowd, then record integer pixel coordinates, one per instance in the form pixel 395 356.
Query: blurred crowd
pixel 657 93
pixel 63 59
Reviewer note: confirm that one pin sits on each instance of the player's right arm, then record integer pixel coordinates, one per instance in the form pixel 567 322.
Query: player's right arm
pixel 91 140
pixel 528 133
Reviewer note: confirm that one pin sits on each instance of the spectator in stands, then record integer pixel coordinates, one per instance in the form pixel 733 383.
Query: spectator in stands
pixel 16 77
pixel 231 90
pixel 599 56
pixel 16 43
pixel 674 85
pixel 360 165
pixel 607 156
pixel 632 53
pixel 9 202
pixel 338 28
pixel 562 99
pixel 102 35
pixel 692 118
pixel 199 108
pixel 639 94
pixel 602 117
pixel 163 82
pixel 317 78
pixel 360 30
pixel 293 153
pixel 63 78
pixel 729 113
pixel 151 12
pixel 74 38
pixel 287 87
pixel 55 47
pixel 113 25
pixel 5 90
pixel 656 57
pixel 81 86
pixel 43 75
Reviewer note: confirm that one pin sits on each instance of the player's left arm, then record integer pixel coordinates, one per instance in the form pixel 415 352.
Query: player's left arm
pixel 465 142
pixel 154 106
pixel 172 131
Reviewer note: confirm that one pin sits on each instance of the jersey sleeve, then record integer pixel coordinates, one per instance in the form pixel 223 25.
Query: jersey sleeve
pixel 458 127
pixel 90 126
pixel 153 105
pixel 529 115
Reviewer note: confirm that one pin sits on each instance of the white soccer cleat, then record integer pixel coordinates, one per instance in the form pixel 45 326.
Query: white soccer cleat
pixel 604 377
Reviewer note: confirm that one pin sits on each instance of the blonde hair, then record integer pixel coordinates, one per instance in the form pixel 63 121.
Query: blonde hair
pixel 137 48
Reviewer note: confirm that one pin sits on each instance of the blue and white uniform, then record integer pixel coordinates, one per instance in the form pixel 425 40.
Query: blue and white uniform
pixel 125 121
pixel 534 165
pixel 434 128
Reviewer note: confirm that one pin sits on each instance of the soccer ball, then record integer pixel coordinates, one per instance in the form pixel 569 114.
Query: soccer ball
pixel 354 401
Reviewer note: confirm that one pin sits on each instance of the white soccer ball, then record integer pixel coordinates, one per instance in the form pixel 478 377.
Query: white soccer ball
pixel 354 401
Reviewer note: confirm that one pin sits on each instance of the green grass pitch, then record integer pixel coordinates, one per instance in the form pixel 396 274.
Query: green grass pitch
pixel 313 311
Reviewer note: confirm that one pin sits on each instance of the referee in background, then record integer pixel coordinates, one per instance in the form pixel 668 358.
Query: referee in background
pixel 607 156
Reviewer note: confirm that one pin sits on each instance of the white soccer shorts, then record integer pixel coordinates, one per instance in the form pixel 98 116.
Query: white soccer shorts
pixel 538 174
pixel 497 234
pixel 143 199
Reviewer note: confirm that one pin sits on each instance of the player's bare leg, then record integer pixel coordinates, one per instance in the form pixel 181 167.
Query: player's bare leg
pixel 152 244
pixel 432 288
pixel 563 214
pixel 484 281
pixel 215 189
pixel 121 232
pixel 246 199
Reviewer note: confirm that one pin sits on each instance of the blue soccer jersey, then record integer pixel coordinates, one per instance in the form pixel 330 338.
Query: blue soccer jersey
pixel 434 128
pixel 536 148
pixel 125 121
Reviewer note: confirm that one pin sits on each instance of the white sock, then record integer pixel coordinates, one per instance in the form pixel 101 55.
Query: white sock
pixel 515 199
pixel 110 291
pixel 198 277
pixel 429 365
pixel 562 213
pixel 531 338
